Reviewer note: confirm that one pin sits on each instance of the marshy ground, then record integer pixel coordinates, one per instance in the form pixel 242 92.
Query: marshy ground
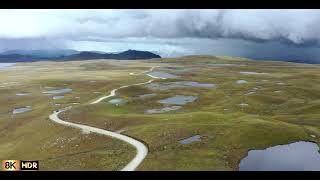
pixel 237 105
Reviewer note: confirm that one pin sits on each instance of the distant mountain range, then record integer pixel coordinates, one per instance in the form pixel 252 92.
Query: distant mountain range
pixel 67 55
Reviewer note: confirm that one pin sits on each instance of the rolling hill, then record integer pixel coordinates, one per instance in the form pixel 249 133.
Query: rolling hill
pixel 67 55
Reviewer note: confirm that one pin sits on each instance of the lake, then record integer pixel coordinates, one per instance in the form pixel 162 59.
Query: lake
pixel 6 65
pixel 298 156
pixel 178 100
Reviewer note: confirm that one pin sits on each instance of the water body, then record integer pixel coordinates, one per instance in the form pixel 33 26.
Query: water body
pixel 251 73
pixel 193 84
pixel 249 93
pixel 179 84
pixel 147 95
pixel 178 100
pixel 225 65
pixel 58 91
pixel 163 110
pixel 298 156
pixel 118 101
pixel 190 139
pixel 163 75
pixel 176 70
pixel 57 97
pixel 6 65
pixel 21 110
pixel 23 94
pixel 241 81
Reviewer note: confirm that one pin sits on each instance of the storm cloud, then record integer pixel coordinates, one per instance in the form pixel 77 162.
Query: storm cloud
pixel 168 32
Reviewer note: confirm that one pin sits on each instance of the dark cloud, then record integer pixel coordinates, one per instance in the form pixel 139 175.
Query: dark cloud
pixel 296 26
pixel 170 32
pixel 30 44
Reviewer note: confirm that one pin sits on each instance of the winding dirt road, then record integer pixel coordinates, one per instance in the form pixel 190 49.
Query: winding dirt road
pixel 142 150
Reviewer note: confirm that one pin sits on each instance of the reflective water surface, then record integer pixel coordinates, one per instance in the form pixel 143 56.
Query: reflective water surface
pixel 178 100
pixel 6 65
pixel 163 110
pixel 58 91
pixel 21 110
pixel 162 74
pixel 190 139
pixel 179 84
pixel 298 156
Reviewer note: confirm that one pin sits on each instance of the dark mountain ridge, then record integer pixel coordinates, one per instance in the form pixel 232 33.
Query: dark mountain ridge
pixel 23 56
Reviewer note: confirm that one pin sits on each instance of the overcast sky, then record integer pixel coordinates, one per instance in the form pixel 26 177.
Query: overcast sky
pixel 271 34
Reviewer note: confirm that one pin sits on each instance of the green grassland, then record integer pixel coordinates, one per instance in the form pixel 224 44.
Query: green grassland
pixel 276 113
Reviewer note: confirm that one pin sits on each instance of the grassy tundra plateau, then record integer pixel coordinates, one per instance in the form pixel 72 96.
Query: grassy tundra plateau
pixel 274 103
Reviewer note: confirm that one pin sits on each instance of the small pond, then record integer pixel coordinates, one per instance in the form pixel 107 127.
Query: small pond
pixel 225 65
pixel 190 139
pixel 6 65
pixel 179 84
pixel 241 81
pixel 58 91
pixel 23 94
pixel 163 110
pixel 178 100
pixel 298 156
pixel 57 97
pixel 163 75
pixel 147 95
pixel 117 101
pixel 252 73
pixel 21 110
pixel 177 70
pixel 249 93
